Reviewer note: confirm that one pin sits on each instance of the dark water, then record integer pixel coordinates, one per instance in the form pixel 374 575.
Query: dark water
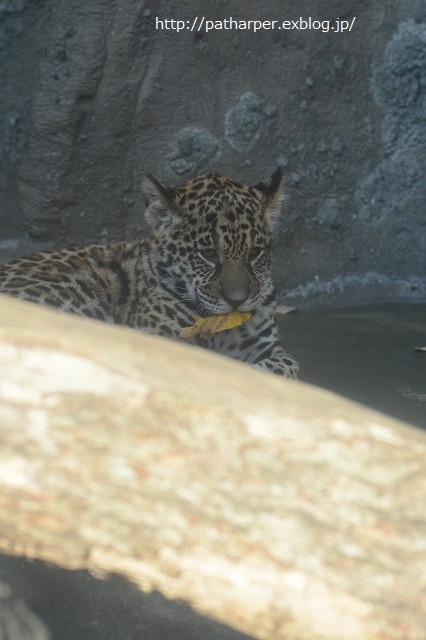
pixel 365 353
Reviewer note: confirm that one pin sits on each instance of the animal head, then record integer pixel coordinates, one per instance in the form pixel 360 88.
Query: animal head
pixel 213 239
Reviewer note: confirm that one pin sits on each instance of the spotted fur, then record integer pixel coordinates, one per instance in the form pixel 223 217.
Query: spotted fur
pixel 208 252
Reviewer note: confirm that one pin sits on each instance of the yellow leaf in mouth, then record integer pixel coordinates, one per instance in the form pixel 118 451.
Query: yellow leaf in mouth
pixel 213 324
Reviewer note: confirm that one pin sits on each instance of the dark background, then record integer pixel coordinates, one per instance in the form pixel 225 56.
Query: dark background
pixel 93 96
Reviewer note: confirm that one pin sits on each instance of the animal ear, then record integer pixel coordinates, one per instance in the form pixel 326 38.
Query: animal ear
pixel 161 210
pixel 272 190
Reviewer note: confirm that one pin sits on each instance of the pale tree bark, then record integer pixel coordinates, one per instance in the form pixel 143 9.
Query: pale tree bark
pixel 279 509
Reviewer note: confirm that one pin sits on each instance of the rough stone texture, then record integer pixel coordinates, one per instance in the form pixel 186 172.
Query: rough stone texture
pixel 22 28
pixel 276 508
pixel 114 98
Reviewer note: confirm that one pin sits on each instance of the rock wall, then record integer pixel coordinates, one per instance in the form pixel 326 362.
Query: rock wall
pixel 115 97
pixel 23 26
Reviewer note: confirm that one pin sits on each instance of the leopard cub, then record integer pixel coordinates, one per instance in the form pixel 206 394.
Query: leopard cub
pixel 208 252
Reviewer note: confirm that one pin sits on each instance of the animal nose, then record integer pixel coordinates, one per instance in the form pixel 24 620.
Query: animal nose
pixel 235 283
pixel 235 298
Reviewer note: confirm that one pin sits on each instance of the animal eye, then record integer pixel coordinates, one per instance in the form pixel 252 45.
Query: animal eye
pixel 254 253
pixel 209 254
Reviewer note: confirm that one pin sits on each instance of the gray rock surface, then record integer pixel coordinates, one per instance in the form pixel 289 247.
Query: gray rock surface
pixel 94 96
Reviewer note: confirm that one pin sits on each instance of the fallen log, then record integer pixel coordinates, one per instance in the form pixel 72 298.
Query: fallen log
pixel 282 510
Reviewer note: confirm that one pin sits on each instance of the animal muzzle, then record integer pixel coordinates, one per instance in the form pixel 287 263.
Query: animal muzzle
pixel 235 285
